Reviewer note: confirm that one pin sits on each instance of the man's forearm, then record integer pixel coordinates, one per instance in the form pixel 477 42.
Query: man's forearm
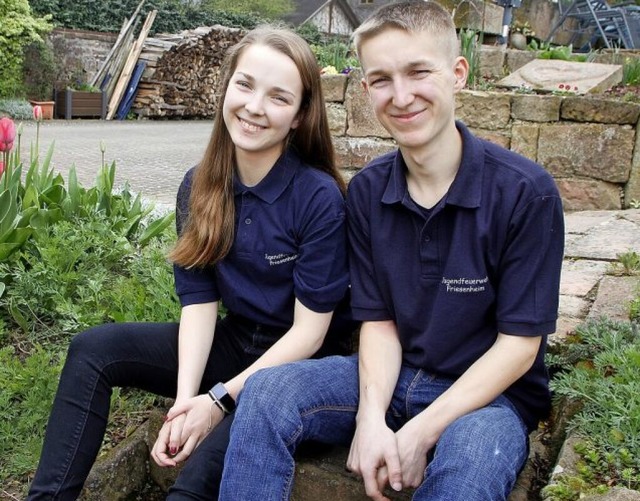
pixel 380 358
pixel 506 361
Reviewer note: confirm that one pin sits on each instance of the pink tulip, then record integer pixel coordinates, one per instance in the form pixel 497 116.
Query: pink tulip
pixel 7 133
pixel 37 112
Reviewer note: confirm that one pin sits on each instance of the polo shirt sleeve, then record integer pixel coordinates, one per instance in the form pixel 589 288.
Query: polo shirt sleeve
pixel 193 285
pixel 529 271
pixel 367 302
pixel 320 275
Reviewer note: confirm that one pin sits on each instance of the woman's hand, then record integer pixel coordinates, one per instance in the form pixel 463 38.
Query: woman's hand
pixel 188 423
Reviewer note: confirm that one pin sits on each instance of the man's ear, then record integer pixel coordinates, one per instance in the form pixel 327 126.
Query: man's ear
pixel 461 72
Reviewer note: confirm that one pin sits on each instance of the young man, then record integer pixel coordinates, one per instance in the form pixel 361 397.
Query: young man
pixel 456 250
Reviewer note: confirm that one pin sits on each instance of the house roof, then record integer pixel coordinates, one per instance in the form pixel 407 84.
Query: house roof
pixel 305 9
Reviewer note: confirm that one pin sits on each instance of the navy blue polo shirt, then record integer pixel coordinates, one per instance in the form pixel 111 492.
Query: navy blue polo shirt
pixel 486 259
pixel 290 242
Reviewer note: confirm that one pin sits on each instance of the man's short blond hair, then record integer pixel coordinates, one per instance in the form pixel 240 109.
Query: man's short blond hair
pixel 413 17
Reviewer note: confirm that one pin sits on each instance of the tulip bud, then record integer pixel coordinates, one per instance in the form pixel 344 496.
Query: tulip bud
pixel 7 133
pixel 103 147
pixel 37 113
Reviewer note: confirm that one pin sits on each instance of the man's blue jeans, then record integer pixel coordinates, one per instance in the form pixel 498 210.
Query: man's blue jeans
pixel 478 457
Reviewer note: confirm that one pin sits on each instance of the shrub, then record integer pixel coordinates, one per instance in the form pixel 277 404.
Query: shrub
pixel 18 109
pixel 18 28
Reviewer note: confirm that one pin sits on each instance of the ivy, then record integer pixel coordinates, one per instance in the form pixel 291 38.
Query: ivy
pixel 173 15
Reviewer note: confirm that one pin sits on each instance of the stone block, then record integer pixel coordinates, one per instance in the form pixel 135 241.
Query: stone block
pixel 485 110
pixel 612 300
pixel 321 474
pixel 588 194
pixel 337 117
pixel 605 241
pixel 492 61
pixel 615 494
pixel 608 111
pixel 121 472
pixel 362 120
pixel 580 277
pixel 358 152
pixel 551 74
pixel 524 140
pixel 632 188
pixel 534 108
pixel 476 15
pixel 516 59
pixel 598 151
pixel 573 307
pixel 334 87
pixel 501 138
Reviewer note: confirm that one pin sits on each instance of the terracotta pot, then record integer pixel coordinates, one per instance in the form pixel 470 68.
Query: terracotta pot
pixel 47 108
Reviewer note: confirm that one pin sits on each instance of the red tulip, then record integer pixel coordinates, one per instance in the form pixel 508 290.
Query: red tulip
pixel 37 112
pixel 7 133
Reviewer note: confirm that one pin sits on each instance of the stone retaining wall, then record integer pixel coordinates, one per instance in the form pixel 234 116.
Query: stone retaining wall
pixel 588 143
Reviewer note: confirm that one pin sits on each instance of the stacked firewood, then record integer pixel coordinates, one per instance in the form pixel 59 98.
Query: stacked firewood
pixel 182 73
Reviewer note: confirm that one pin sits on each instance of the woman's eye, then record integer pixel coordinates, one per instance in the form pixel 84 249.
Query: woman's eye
pixel 242 83
pixel 281 99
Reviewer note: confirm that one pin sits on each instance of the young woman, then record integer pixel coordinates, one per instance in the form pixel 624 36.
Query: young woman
pixel 261 229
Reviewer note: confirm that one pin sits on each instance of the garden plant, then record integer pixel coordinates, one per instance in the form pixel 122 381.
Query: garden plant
pixel 70 257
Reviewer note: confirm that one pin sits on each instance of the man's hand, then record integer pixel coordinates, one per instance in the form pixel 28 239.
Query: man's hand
pixel 413 450
pixel 374 456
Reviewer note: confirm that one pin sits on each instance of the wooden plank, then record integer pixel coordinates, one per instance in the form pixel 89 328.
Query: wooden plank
pixel 121 36
pixel 129 65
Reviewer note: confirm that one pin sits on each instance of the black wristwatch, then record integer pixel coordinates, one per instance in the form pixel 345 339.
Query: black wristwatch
pixel 222 399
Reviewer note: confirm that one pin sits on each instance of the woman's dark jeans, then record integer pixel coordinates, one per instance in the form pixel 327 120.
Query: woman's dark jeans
pixel 145 356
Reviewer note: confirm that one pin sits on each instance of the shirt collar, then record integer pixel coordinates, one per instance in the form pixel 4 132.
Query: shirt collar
pixel 276 180
pixel 466 189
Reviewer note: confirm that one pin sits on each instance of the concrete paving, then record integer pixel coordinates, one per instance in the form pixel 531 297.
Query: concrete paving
pixel 151 155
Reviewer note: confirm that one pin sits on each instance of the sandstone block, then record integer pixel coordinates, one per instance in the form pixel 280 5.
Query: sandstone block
pixel 612 300
pixel 492 62
pixel 357 152
pixel 485 110
pixel 516 59
pixel 334 87
pixel 476 15
pixel 524 140
pixel 122 472
pixel 606 241
pixel 362 119
pixel 581 276
pixel 599 110
pixel 632 188
pixel 337 117
pixel 533 108
pixel 598 151
pixel 500 138
pixel 588 194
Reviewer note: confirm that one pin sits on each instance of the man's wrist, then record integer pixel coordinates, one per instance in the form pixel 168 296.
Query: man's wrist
pixel 222 399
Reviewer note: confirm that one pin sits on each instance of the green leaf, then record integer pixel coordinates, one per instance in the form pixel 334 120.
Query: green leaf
pixel 156 228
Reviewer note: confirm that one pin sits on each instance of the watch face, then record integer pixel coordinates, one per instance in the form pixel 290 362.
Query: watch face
pixel 221 393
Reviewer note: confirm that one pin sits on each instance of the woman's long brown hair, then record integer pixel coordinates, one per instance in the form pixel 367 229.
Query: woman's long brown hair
pixel 209 231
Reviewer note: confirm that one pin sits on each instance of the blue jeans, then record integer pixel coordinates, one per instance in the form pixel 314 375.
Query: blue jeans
pixel 478 456
pixel 145 356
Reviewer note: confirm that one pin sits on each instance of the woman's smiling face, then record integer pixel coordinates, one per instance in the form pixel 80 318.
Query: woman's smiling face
pixel 262 102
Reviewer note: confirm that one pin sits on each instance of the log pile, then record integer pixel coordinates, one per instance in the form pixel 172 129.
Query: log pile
pixel 182 72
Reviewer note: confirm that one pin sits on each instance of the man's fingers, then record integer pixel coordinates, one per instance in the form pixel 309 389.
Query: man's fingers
pixel 394 472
